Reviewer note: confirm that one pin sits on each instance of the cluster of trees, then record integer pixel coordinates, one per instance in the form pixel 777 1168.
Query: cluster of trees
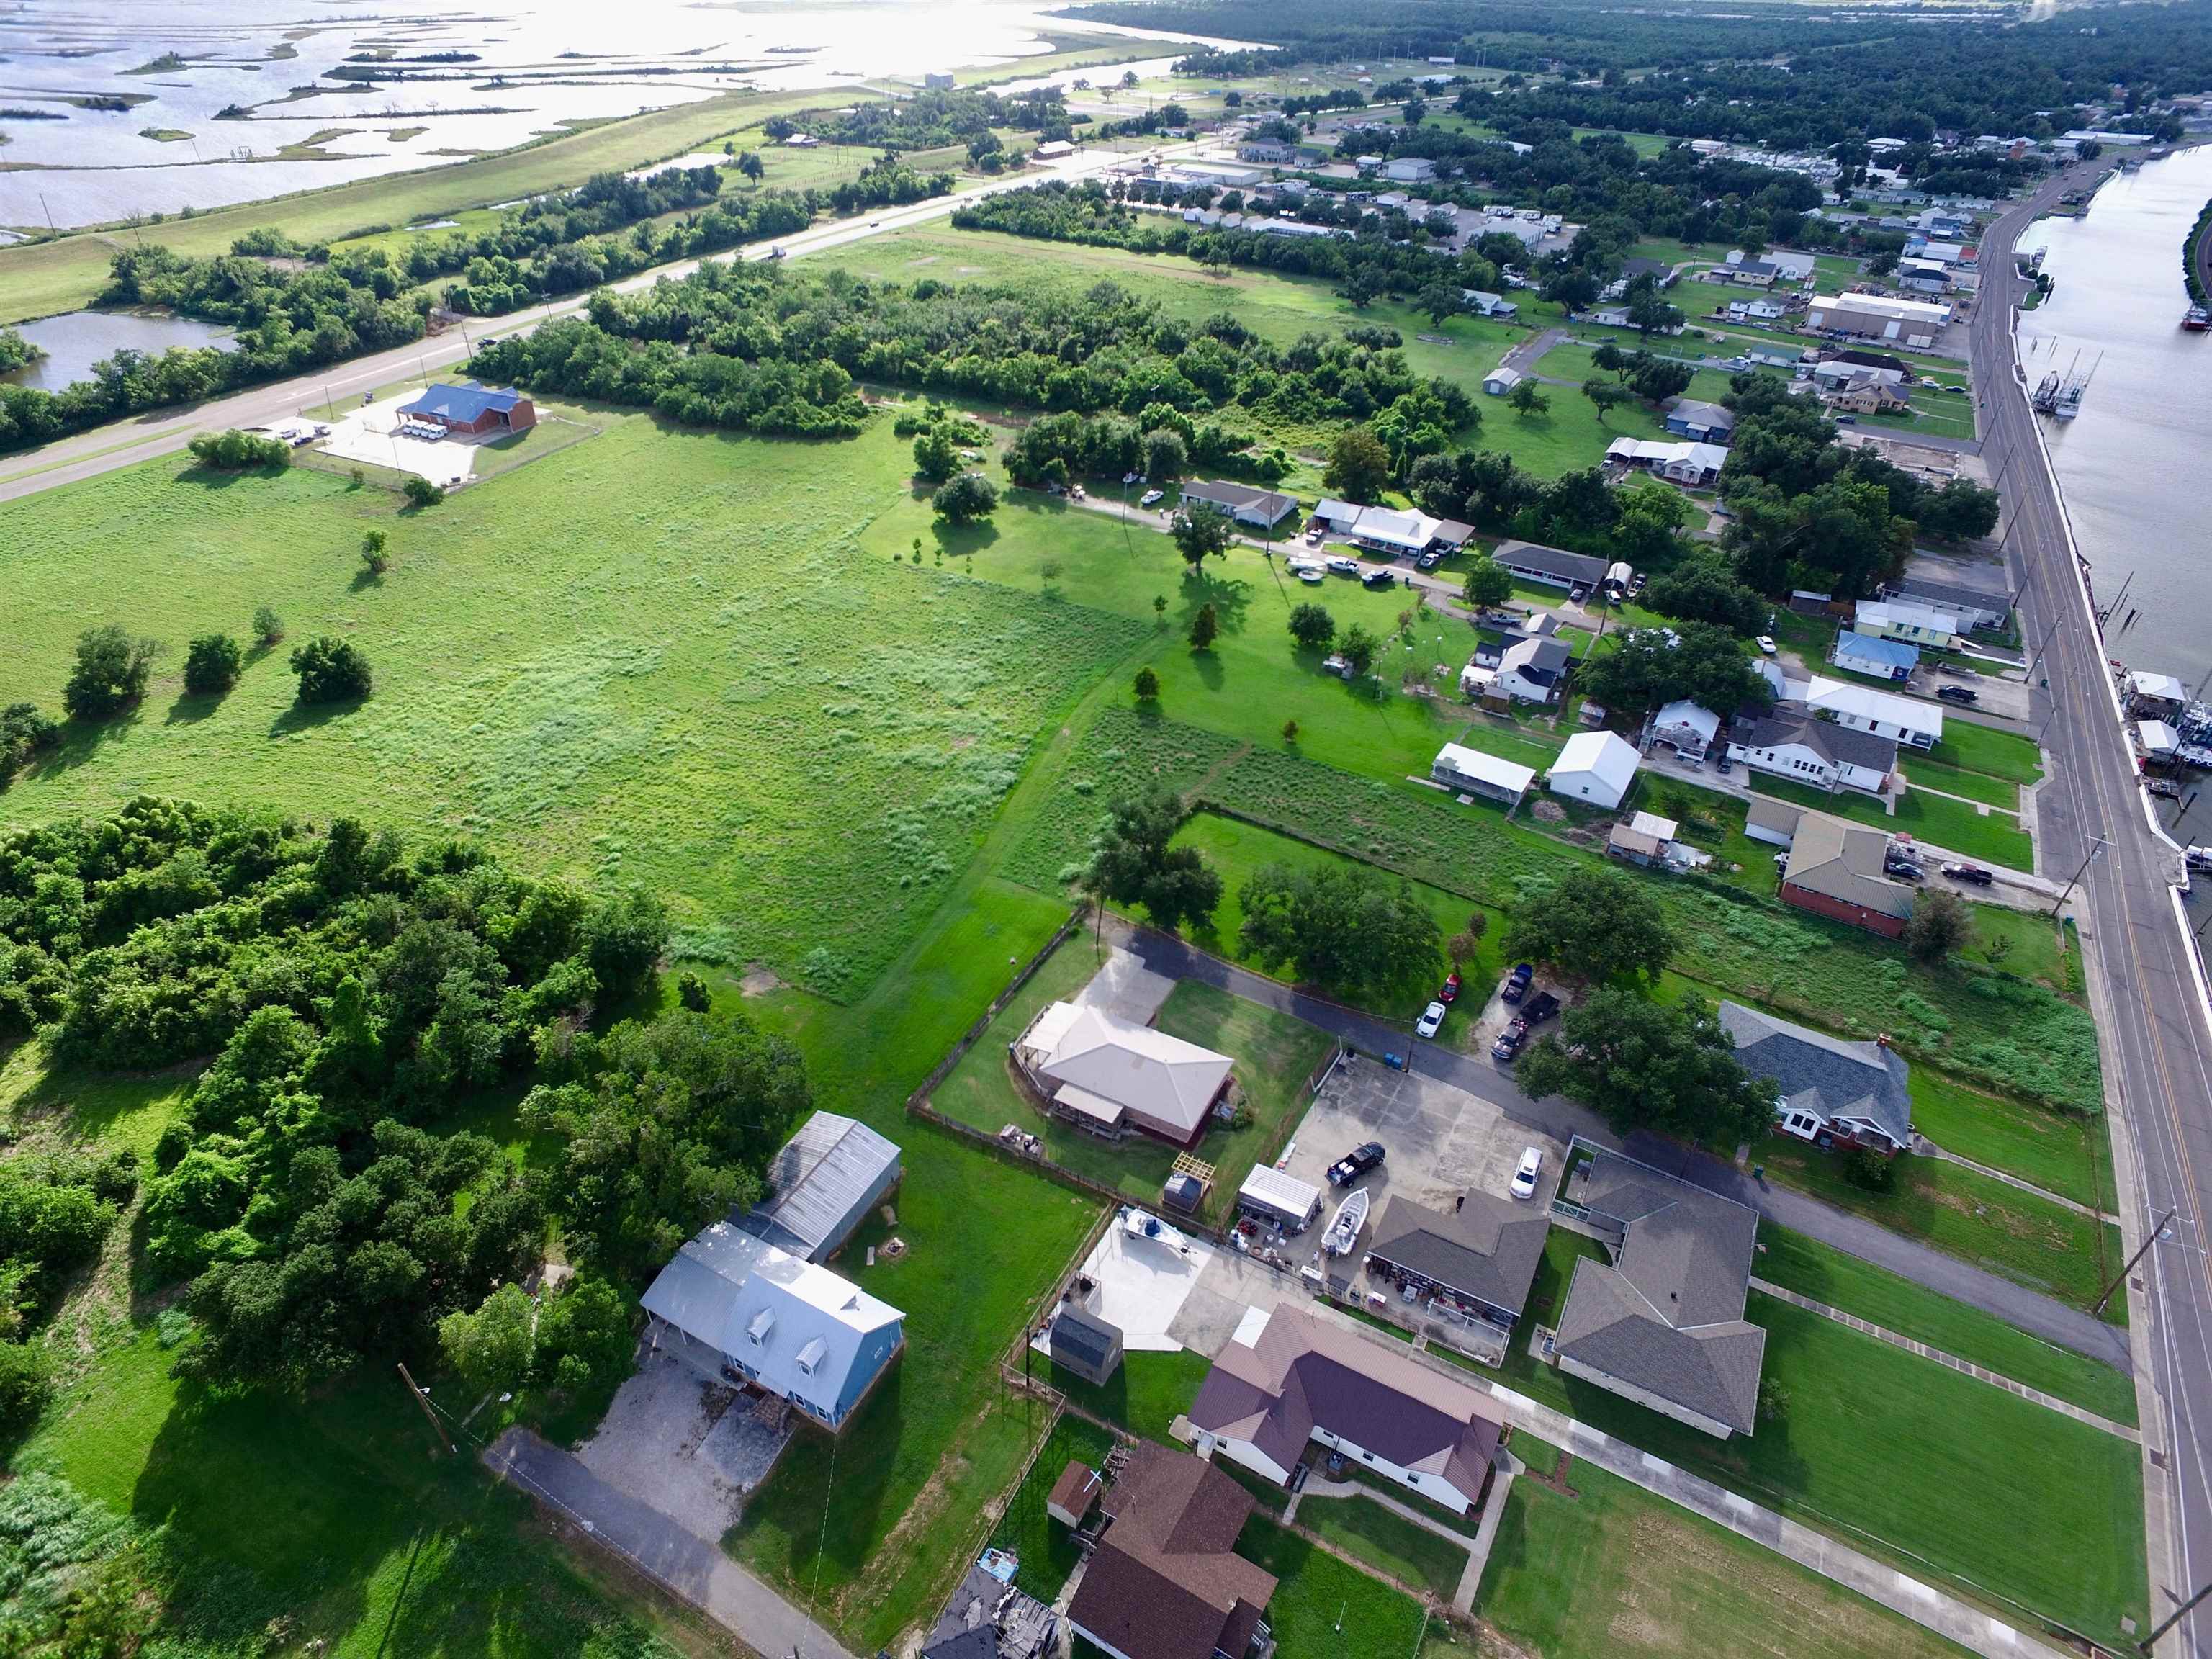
pixel 1342 925
pixel 25 732
pixel 758 346
pixel 1642 521
pixel 16 351
pixel 1056 449
pixel 355 992
pixel 239 452
pixel 1133 861
pixel 1649 667
pixel 885 183
pixel 55 1209
pixel 932 121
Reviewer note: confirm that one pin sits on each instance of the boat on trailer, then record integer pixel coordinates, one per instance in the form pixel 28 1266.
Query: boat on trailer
pixel 1351 1216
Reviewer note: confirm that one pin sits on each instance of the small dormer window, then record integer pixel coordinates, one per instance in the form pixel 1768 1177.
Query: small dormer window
pixel 812 1355
pixel 763 1323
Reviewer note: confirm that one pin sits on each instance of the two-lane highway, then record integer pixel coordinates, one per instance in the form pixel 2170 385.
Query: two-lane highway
pixel 2152 1017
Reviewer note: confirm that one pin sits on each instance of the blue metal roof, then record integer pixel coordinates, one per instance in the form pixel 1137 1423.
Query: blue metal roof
pixel 1892 653
pixel 464 404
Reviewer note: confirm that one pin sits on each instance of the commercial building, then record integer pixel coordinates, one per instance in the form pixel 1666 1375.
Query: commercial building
pixel 1471 772
pixel 821 1184
pixel 1108 1076
pixel 1827 1090
pixel 1310 1379
pixel 1661 1323
pixel 1877 316
pixel 1596 767
pixel 737 1308
pixel 473 410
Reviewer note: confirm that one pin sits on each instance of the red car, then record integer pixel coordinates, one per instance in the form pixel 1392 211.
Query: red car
pixel 1449 994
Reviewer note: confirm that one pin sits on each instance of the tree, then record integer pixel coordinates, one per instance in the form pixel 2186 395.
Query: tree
pixel 1290 730
pixel 584 1344
pixel 268 626
pixel 1146 686
pixel 1703 588
pixel 1201 531
pixel 1359 466
pixel 1133 863
pixel 492 1348
pixel 1360 647
pixel 1167 457
pixel 1160 610
pixel 376 552
pixel 1205 627
pixel 749 164
pixel 1438 300
pixel 1649 314
pixel 1463 947
pixel 965 499
pixel 110 673
pixel 239 452
pixel 331 671
pixel 1940 926
pixel 936 453
pixel 1488 583
pixel 1595 926
pixel 1341 926
pixel 421 492
pixel 1605 395
pixel 1702 663
pixel 1645 1065
pixel 1528 399
pixel 1656 380
pixel 24 732
pixel 691 992
pixel 1312 627
pixel 211 665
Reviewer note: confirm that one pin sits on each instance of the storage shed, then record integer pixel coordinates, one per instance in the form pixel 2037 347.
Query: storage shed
pixel 821 1184
pixel 1597 767
pixel 1085 1344
pixel 1474 772
pixel 1271 1196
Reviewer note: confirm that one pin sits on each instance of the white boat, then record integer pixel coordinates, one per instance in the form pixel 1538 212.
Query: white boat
pixel 2200 858
pixel 1142 1223
pixel 1351 1216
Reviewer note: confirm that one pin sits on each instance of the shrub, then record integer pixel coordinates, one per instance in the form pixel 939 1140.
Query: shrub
pixel 421 492
pixel 376 552
pixel 24 732
pixel 239 452
pixel 211 665
pixel 26 1383
pixel 110 672
pixel 268 626
pixel 965 499
pixel 331 671
pixel 1863 1167
pixel 692 992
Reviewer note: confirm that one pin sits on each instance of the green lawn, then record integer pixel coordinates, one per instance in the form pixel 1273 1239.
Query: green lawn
pixel 2028 1239
pixel 689 675
pixel 1810 1268
pixel 1046 1548
pixel 1322 1606
pixel 1403 1549
pixel 1955 826
pixel 1986 749
pixel 2060 1152
pixel 1274 1055
pixel 1955 780
pixel 1147 1393
pixel 1614 1572
pixel 1897 1453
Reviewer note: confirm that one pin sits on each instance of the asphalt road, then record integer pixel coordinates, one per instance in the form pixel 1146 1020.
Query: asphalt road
pixel 161 432
pixel 2155 1035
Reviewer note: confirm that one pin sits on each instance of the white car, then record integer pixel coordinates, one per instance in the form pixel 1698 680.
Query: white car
pixel 1345 567
pixel 1765 644
pixel 1524 1177
pixel 1152 498
pixel 1432 1020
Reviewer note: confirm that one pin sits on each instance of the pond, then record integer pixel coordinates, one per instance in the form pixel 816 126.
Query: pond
pixel 76 340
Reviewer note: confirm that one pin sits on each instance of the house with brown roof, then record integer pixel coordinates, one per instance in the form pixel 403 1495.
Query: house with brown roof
pixel 1166 1581
pixel 1837 870
pixel 1661 1322
pixel 1306 1378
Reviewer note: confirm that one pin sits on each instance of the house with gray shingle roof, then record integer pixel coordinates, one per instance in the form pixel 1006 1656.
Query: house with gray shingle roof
pixel 1482 1256
pixel 1661 1323
pixel 1827 1090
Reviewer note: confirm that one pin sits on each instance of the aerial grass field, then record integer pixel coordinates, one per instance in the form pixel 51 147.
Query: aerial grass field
pixel 1402 1549
pixel 1148 1391
pixel 656 657
pixel 1612 1571
pixel 1325 1606
pixel 1901 1456
pixel 1047 1549
pixel 2061 1153
pixel 1813 1269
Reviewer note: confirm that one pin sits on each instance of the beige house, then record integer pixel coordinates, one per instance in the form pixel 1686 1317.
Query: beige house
pixel 1108 1076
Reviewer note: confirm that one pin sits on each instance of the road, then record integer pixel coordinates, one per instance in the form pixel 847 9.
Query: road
pixel 2151 1012
pixel 162 432
pixel 2026 1310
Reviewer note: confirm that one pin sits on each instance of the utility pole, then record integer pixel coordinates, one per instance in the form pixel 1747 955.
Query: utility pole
pixel 2045 646
pixel 2096 845
pixel 2129 1266
pixel 423 1400
pixel 2173 1619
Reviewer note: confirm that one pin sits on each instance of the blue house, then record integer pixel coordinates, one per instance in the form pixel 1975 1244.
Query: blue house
pixel 1700 422
pixel 1863 654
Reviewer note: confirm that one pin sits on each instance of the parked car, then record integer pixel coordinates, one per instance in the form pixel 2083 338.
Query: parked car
pixel 1429 561
pixel 1847 420
pixel 1152 498
pixel 1972 874
pixel 1379 579
pixel 1724 763
pixel 1518 982
pixel 1579 593
pixel 1344 567
pixel 1524 1177
pixel 1765 644
pixel 1958 694
pixel 1540 1008
pixel 1430 1021
pixel 1510 1041
pixel 1355 1163
pixel 1904 869
pixel 1449 994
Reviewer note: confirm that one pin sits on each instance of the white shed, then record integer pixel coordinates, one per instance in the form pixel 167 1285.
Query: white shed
pixel 1273 1196
pixel 1597 767
pixel 1501 380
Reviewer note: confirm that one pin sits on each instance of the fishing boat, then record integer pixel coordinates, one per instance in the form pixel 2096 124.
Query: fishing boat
pixel 2197 319
pixel 2046 395
pixel 1351 1216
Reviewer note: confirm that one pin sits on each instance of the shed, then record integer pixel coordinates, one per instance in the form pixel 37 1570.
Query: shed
pixel 1075 1494
pixel 1501 380
pixel 2159 741
pixel 1271 1196
pixel 1458 767
pixel 1183 1191
pixel 1597 767
pixel 1085 1344
pixel 821 1184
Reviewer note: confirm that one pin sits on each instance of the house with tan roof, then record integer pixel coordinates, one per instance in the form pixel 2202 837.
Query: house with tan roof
pixel 1166 1581
pixel 1837 870
pixel 1306 1378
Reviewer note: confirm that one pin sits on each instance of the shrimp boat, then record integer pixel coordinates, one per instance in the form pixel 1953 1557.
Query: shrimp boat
pixel 1351 1216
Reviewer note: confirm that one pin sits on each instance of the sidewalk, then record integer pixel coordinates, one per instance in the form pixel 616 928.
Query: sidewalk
pixel 692 1569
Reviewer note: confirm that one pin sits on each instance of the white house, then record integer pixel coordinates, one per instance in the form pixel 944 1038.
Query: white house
pixel 1696 465
pixel 1531 671
pixel 737 1307
pixel 1473 772
pixel 1908 620
pixel 1814 751
pixel 1597 767
pixel 1686 729
pixel 1483 303
pixel 1900 719
pixel 1389 530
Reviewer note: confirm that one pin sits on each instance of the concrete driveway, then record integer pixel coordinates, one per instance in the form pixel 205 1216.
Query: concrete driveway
pixel 690 1447
pixel 1126 987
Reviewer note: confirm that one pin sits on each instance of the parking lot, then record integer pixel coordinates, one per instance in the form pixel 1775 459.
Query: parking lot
pixel 1438 1141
